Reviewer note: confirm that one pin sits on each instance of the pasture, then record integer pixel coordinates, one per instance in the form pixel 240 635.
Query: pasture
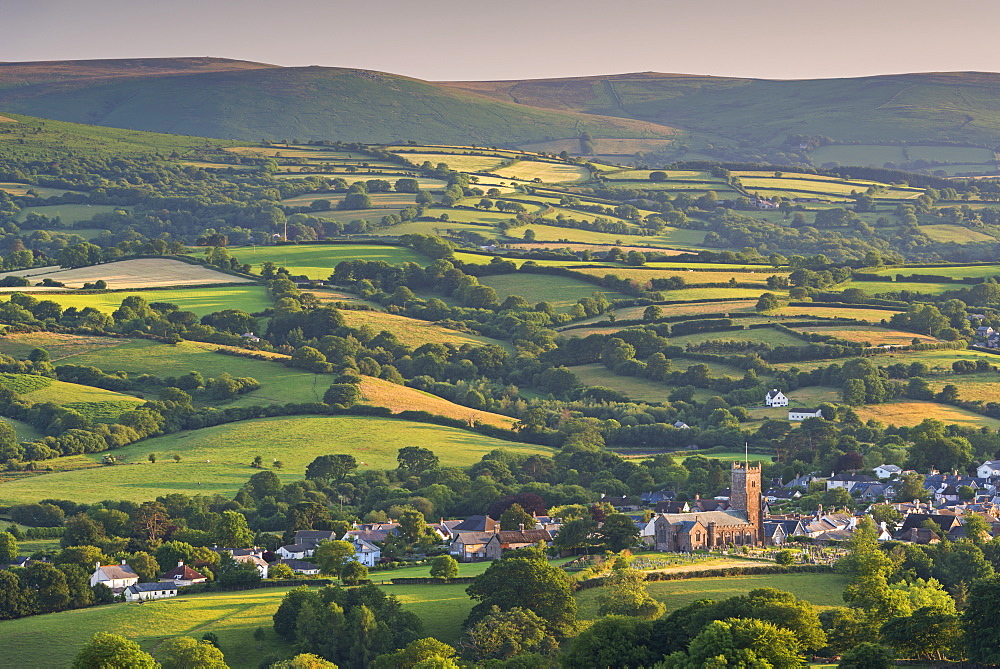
pixel 643 275
pixel 101 406
pixel 879 287
pixel 22 189
pixel 822 590
pixel 233 616
pixel 762 336
pixel 670 237
pixel 861 314
pixel 641 390
pixel 201 301
pixel 955 233
pixel 413 332
pixel 317 261
pixel 561 292
pixel 67 213
pixel 132 274
pixel 955 271
pixel 975 387
pixel 217 459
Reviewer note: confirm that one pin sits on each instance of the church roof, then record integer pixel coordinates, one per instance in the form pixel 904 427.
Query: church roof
pixel 720 518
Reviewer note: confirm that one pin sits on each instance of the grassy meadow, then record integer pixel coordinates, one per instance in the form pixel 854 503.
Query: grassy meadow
pixel 317 261
pixel 217 459
pixel 561 292
pixel 201 301
pixel 101 406
pixel 413 332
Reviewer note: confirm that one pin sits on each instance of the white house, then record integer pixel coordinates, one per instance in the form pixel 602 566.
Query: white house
pixel 988 469
pixel 115 576
pixel 145 591
pixel 296 551
pixel 802 414
pixel 366 553
pixel 775 398
pixel 888 471
pixel 256 560
pixel 300 567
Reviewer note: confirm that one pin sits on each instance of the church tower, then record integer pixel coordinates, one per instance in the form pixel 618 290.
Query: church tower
pixel 746 495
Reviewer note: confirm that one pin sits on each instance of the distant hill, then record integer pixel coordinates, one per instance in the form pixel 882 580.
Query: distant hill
pixel 673 115
pixel 250 101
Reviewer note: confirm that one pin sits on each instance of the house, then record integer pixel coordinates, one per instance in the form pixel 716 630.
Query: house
pixel 888 471
pixel 760 203
pixel 988 469
pixel 681 425
pixel 657 497
pixel 471 546
pixel 848 481
pixel 251 337
pixel 868 491
pixel 802 414
pixel 984 331
pixel 775 398
pixel 115 576
pixel 672 507
pixel 513 539
pixel 774 533
pixel 782 495
pixel 295 551
pixel 300 567
pixel 311 538
pixel 366 552
pixel 790 527
pixel 183 575
pixel 139 592
pixel 257 561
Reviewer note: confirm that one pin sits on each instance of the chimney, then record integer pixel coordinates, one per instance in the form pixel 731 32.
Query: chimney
pixel 123 561
pixel 180 563
pixel 521 526
pixel 97 565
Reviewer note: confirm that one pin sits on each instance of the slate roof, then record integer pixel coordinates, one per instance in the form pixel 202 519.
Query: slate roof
pixel 117 572
pixel 477 524
pixel 183 573
pixel 151 587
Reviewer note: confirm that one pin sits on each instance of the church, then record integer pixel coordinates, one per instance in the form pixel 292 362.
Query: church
pixel 741 525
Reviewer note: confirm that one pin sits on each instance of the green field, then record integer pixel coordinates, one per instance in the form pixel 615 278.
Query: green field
pixel 762 335
pixel 529 170
pixel 413 332
pixel 956 271
pixel 317 261
pixel 955 233
pixel 671 237
pixel 561 292
pixel 216 459
pixel 878 287
pixel 24 431
pixel 102 406
pixel 201 301
pixel 823 590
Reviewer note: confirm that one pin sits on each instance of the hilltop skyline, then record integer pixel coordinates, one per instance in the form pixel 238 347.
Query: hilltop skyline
pixel 445 41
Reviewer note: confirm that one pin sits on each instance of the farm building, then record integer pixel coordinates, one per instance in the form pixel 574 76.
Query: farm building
pixel 140 592
pixel 802 414
pixel 775 398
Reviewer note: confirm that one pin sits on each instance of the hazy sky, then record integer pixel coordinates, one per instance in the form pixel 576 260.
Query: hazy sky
pixel 514 39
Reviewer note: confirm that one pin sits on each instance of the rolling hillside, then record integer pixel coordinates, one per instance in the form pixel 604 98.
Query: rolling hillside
pixel 304 102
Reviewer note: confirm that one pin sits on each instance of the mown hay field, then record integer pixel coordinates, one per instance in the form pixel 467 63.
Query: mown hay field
pixel 529 170
pixel 861 333
pixel 379 392
pixel 909 413
pixel 317 261
pixel 670 236
pixel 201 301
pixel 132 274
pixel 413 332
pixel 461 163
pixel 217 459
pixel 869 315
pixel 975 387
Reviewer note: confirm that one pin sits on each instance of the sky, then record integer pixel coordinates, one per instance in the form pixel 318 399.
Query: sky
pixel 445 40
